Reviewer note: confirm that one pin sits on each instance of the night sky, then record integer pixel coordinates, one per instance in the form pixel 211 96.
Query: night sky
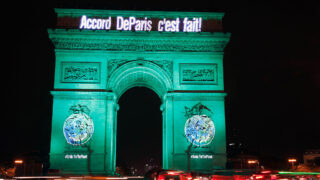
pixel 271 67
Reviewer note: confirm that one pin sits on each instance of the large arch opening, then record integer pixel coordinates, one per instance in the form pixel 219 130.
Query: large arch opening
pixel 139 131
pixel 139 85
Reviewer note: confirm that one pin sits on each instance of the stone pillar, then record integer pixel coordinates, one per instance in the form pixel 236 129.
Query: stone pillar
pixel 96 155
pixel 181 152
pixel 167 142
pixel 111 134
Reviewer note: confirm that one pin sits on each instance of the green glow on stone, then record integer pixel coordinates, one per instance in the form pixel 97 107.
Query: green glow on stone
pixel 94 68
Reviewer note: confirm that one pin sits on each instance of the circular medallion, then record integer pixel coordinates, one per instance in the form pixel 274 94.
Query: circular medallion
pixel 199 130
pixel 78 128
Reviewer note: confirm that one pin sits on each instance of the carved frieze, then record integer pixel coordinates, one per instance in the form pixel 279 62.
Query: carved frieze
pixel 80 72
pixel 132 44
pixel 198 73
pixel 166 65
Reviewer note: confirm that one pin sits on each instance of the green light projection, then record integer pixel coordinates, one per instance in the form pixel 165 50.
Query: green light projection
pixel 95 67
pixel 199 130
pixel 78 127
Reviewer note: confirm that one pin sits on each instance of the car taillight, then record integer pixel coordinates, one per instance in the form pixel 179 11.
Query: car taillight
pixel 188 176
pixel 173 172
pixel 274 177
pixel 265 172
pixel 259 177
pixel 160 177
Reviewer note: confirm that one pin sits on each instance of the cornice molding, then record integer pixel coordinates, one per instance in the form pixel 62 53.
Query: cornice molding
pixel 136 41
pixel 76 94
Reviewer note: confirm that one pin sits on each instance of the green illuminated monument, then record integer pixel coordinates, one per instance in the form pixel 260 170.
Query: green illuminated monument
pixel 101 54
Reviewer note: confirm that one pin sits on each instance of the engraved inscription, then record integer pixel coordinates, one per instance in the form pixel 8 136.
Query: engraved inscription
pixel 198 73
pixel 80 72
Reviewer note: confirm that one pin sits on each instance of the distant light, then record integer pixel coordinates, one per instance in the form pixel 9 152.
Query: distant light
pixel 252 161
pixel 76 177
pixel 174 172
pixel 18 161
pixel 292 160
pixel 36 177
pixel 134 177
pixel 265 172
pixel 299 173
pixel 259 176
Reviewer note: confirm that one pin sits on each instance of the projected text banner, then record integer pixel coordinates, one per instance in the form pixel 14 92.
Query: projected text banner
pixel 132 23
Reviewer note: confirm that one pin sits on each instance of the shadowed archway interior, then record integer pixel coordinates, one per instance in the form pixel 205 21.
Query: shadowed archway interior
pixel 139 130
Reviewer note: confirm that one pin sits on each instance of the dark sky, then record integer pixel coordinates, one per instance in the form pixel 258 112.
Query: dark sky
pixel 271 67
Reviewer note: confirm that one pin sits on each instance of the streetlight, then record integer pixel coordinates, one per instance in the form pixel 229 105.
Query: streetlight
pixel 292 161
pixel 18 161
pixel 253 162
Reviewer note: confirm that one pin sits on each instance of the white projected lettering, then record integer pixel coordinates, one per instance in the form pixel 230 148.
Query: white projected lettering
pixel 92 23
pixel 76 156
pixel 201 156
pixel 141 24
pixel 193 25
pixel 169 25
pixel 131 23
